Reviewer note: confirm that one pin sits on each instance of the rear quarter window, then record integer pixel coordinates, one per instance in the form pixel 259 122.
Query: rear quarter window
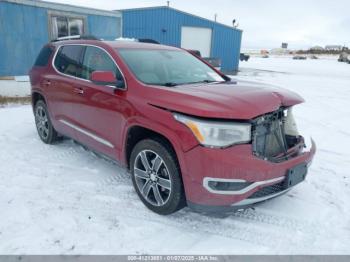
pixel 44 56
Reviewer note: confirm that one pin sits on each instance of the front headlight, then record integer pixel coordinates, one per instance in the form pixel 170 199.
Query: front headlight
pixel 216 133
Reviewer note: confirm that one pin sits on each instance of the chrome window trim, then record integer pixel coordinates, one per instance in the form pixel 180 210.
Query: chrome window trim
pixel 85 132
pixel 206 181
pixel 83 79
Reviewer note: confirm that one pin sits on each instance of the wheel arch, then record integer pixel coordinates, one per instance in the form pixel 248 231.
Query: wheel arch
pixel 135 134
pixel 36 96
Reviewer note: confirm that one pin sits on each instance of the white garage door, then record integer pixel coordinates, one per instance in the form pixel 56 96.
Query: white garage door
pixel 196 38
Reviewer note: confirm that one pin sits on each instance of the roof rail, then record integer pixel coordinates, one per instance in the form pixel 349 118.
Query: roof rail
pixel 141 40
pixel 75 37
pixel 147 40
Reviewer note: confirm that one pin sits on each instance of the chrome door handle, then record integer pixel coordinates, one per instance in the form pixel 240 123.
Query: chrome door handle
pixel 78 91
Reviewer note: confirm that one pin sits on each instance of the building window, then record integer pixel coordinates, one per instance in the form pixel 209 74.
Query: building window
pixel 62 25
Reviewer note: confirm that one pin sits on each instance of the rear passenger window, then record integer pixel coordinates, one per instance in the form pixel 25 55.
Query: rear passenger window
pixel 96 59
pixel 43 57
pixel 67 60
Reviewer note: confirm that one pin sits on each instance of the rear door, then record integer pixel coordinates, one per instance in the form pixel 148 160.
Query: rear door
pixel 62 86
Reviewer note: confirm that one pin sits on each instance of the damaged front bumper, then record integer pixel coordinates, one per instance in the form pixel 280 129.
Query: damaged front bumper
pixel 234 178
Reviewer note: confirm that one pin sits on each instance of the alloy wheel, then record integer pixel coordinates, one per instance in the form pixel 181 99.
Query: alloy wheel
pixel 42 122
pixel 152 178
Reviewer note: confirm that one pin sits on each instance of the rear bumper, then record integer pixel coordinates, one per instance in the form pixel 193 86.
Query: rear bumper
pixel 237 163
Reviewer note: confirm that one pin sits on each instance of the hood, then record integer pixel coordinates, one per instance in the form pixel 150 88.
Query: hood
pixel 231 100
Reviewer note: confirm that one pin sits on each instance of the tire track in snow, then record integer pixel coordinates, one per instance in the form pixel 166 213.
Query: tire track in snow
pixel 240 225
pixel 115 188
pixel 244 230
pixel 276 220
pixel 109 183
pixel 112 183
pixel 246 226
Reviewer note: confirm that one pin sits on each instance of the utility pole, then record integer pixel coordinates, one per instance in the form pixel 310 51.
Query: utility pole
pixel 168 3
pixel 215 17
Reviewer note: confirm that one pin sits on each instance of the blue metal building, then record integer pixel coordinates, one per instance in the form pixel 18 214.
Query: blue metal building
pixel 174 27
pixel 26 25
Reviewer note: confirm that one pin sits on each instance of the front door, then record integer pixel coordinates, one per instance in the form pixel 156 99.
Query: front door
pixel 99 110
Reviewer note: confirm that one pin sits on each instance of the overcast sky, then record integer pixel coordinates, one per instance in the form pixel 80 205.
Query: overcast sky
pixel 265 24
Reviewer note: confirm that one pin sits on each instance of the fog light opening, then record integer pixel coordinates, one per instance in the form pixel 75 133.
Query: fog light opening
pixel 228 186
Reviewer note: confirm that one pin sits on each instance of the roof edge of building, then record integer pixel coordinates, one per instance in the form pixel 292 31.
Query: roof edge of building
pixel 177 10
pixel 66 7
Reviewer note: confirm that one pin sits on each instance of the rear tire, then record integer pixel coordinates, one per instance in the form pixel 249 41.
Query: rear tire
pixel 156 176
pixel 46 131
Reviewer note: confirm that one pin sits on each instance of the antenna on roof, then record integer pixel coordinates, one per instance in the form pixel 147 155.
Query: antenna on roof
pixel 168 3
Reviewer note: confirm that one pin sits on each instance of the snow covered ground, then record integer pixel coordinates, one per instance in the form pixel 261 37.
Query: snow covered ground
pixel 63 199
pixel 20 86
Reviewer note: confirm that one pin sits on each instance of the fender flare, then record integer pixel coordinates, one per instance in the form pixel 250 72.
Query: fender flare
pixel 155 127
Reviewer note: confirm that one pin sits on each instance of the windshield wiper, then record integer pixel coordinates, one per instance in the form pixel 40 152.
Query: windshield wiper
pixel 170 84
pixel 204 81
pixel 167 84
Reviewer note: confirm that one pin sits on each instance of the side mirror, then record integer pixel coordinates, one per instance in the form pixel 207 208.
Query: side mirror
pixel 106 78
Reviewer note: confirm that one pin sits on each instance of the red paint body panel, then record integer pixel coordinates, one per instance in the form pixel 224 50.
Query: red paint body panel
pixel 240 100
pixel 108 114
pixel 234 162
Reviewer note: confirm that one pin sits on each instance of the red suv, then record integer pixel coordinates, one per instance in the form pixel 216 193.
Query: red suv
pixel 188 134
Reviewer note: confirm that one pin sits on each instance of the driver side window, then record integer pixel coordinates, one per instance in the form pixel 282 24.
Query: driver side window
pixel 96 59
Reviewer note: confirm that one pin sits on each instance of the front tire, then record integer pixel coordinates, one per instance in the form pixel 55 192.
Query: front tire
pixel 156 176
pixel 46 131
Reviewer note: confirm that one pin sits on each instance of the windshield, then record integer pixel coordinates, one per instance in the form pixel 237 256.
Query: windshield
pixel 167 67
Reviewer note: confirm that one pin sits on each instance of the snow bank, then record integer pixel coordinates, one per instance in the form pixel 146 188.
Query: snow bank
pixel 18 87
